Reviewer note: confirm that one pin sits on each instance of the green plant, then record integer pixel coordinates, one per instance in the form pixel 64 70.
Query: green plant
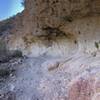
pixel 97 45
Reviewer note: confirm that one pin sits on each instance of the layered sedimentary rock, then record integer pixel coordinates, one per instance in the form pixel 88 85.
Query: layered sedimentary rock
pixel 61 39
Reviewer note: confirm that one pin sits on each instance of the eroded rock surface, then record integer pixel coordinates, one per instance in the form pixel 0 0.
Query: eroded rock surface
pixel 59 45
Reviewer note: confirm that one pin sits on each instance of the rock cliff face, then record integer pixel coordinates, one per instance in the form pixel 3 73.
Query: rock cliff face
pixel 61 39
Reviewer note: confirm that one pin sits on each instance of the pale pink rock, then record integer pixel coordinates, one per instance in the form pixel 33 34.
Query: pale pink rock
pixel 81 90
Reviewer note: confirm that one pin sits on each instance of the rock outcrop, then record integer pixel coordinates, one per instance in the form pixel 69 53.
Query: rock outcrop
pixel 61 39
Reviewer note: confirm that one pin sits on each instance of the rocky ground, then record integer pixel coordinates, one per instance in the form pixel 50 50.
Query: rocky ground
pixel 49 78
pixel 51 51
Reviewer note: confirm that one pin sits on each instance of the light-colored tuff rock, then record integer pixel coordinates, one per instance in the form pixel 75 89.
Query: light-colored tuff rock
pixel 60 43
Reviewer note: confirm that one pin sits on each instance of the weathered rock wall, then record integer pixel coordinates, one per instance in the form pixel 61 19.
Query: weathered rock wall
pixel 63 37
pixel 44 23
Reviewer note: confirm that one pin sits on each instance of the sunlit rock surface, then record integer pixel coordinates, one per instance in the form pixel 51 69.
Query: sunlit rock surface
pixel 58 51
